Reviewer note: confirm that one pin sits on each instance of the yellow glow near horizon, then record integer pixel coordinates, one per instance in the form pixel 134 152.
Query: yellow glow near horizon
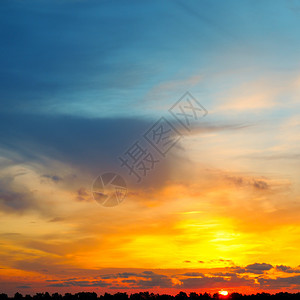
pixel 223 293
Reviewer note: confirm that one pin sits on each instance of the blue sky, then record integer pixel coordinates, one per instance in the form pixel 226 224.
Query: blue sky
pixel 103 58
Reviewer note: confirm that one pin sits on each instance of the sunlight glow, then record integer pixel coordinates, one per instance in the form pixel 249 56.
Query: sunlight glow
pixel 223 293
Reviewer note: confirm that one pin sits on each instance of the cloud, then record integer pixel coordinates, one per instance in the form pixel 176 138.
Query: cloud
pixel 143 280
pixel 280 282
pixel 237 269
pixel 54 178
pixel 287 269
pixel 257 183
pixel 213 281
pixel 123 275
pixel 80 283
pixel 149 279
pixel 83 195
pixel 258 268
pixel 224 274
pixel 75 140
pixel 155 280
pixel 260 184
pixel 90 146
pixel 129 281
pixel 56 219
pixel 193 274
pixel 14 198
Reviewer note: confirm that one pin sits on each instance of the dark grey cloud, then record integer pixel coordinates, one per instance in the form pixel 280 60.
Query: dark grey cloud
pixel 280 282
pixel 287 269
pixel 189 280
pixel 83 195
pixel 127 275
pixel 153 280
pixel 91 145
pixel 144 280
pixel 258 184
pixel 193 274
pixel 120 275
pixel 225 274
pixel 191 283
pixel 258 268
pixel 129 281
pixel 14 198
pixel 54 178
pixel 149 280
pixel 216 281
pixel 81 283
pixel 237 269
pixel 57 285
pixel 70 139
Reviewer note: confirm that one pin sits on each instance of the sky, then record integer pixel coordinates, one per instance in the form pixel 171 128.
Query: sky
pixel 82 82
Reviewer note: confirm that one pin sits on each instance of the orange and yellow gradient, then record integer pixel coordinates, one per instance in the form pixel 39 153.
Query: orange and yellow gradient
pixel 232 226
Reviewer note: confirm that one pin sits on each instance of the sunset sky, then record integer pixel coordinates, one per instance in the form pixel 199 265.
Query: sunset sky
pixel 82 81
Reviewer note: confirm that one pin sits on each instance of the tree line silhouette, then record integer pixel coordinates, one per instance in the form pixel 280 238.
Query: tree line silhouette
pixel 152 296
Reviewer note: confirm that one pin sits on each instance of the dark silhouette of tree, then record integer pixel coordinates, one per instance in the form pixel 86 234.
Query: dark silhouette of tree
pixel 194 296
pixel 3 297
pixel 236 296
pixel 181 296
pixel 18 296
pixel 205 296
pixel 151 296
pixel 56 296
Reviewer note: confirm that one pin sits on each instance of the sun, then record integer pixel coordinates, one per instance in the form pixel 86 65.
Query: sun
pixel 223 293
